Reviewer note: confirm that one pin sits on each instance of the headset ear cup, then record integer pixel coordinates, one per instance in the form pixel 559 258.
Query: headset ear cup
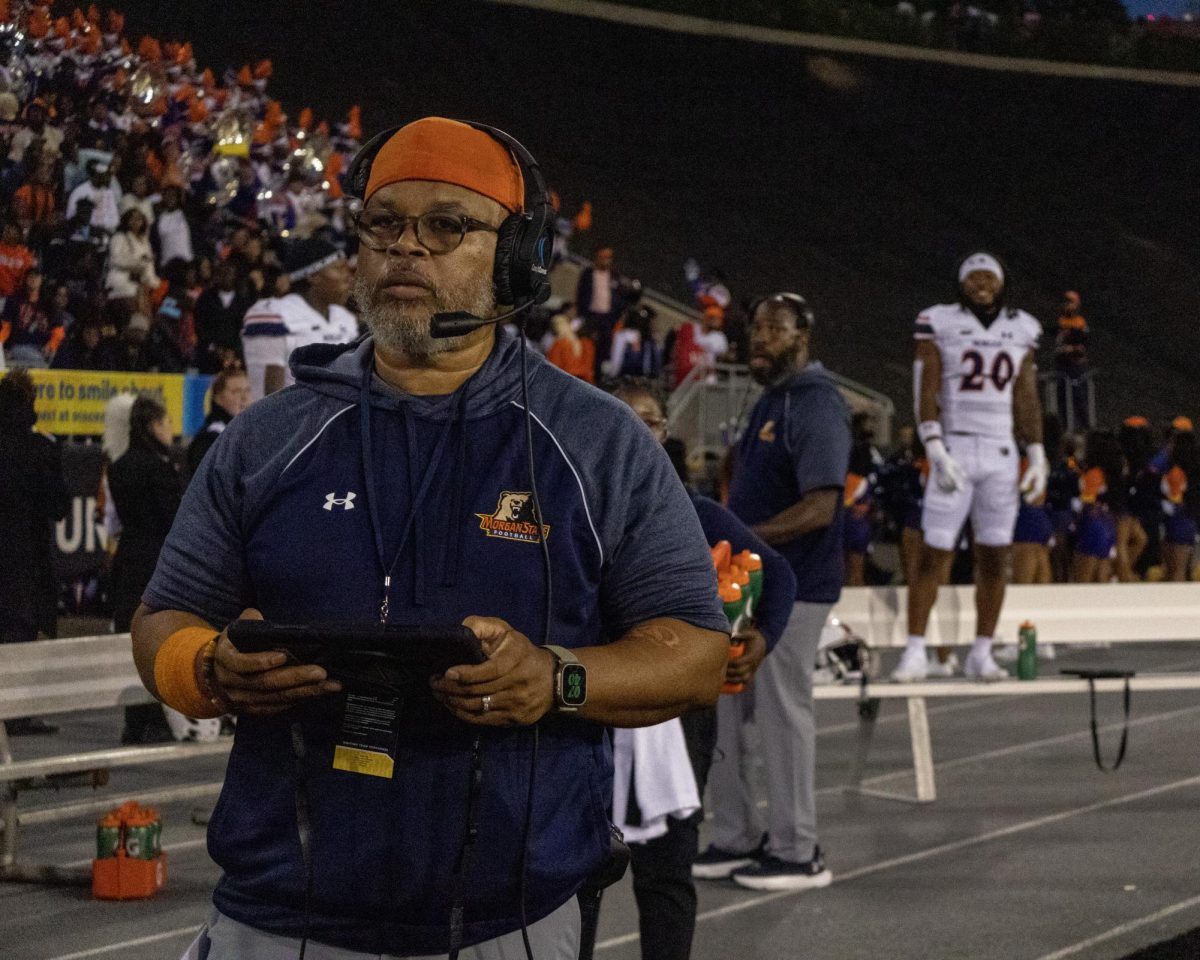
pixel 359 170
pixel 541 254
pixel 506 272
pixel 523 253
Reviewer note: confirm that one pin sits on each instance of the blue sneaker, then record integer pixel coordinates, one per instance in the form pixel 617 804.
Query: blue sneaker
pixel 771 873
pixel 716 863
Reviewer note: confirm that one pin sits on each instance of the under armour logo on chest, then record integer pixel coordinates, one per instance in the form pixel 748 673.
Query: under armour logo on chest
pixel 346 502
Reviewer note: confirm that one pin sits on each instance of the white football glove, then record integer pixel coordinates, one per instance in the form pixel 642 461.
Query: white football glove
pixel 1033 480
pixel 947 473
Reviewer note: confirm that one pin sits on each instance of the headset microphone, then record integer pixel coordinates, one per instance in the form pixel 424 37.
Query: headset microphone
pixel 459 323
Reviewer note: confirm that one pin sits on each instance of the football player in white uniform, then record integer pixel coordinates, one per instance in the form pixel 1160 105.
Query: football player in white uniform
pixel 314 312
pixel 974 381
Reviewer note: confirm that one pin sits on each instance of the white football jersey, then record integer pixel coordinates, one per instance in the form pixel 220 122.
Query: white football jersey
pixel 979 365
pixel 274 327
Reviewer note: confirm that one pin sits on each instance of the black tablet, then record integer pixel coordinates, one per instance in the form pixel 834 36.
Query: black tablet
pixel 367 657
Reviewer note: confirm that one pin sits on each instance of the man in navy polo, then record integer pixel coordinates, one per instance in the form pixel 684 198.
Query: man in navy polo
pixel 391 483
pixel 789 469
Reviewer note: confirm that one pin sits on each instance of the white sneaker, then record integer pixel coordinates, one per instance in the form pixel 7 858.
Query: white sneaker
pixel 913 666
pixel 1008 653
pixel 942 669
pixel 1005 653
pixel 983 667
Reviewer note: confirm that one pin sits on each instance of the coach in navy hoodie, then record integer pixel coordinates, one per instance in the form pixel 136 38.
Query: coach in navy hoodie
pixel 403 450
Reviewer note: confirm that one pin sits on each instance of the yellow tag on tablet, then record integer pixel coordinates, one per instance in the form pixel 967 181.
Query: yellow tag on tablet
pixel 367 738
pixel 367 762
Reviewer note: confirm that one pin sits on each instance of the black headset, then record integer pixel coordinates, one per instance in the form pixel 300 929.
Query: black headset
pixel 524 241
pixel 805 319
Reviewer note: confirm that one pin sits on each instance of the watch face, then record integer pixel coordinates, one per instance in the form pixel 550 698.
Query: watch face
pixel 574 684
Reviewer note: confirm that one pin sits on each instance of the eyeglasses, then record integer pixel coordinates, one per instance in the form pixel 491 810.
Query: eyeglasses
pixel 437 231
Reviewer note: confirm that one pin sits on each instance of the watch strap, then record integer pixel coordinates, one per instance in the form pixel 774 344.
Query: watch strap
pixel 562 654
pixel 563 658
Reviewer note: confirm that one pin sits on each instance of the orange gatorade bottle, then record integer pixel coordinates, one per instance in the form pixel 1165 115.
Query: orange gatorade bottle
pixel 722 553
pixel 735 604
pixel 753 565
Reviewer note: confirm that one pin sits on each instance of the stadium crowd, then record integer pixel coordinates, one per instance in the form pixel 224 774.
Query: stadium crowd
pixel 146 203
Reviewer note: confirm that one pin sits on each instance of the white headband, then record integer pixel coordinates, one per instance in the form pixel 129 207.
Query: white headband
pixel 316 266
pixel 980 261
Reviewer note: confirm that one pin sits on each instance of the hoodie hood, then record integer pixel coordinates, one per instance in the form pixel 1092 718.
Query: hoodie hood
pixel 336 370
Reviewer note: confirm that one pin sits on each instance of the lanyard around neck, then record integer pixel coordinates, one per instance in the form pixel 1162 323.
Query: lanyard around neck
pixel 370 491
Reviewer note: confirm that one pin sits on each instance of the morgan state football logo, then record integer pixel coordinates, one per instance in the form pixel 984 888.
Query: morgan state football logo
pixel 513 519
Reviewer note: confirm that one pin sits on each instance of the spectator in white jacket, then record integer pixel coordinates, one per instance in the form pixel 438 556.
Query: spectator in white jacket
pixel 131 273
pixel 174 233
pixel 104 194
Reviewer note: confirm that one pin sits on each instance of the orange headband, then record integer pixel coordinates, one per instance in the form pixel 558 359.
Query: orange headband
pixel 447 151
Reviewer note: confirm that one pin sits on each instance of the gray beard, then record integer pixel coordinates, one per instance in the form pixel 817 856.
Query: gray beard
pixel 405 329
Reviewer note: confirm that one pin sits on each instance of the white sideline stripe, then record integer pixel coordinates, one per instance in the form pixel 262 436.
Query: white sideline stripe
pixel 316 436
pixel 1037 744
pixel 839 788
pixel 582 493
pixel 925 854
pixel 972 704
pixel 173 848
pixel 699 26
pixel 1123 928
pixel 190 931
pixel 853 725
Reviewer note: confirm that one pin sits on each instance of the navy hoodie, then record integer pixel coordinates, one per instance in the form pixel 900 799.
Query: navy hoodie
pixel 276 519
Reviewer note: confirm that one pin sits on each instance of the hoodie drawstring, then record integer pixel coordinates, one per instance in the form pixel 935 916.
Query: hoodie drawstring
pixel 410 434
pixel 454 537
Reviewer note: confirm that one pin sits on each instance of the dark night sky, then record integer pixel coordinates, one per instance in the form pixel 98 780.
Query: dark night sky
pixel 746 157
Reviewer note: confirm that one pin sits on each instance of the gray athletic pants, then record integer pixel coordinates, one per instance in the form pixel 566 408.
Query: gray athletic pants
pixel 555 937
pixel 779 703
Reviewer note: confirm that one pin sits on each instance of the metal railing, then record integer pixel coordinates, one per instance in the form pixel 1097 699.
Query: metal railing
pixel 1054 386
pixel 671 312
pixel 708 410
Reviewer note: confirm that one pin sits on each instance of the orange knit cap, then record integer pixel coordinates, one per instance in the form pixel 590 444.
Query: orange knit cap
pixel 447 151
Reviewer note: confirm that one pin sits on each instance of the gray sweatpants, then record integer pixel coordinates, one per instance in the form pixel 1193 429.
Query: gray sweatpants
pixel 555 937
pixel 779 703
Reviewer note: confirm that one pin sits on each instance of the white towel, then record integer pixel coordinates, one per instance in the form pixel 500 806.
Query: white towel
pixel 663 780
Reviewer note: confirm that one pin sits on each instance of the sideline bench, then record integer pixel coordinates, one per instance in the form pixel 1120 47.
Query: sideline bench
pixel 1063 614
pixel 63 676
